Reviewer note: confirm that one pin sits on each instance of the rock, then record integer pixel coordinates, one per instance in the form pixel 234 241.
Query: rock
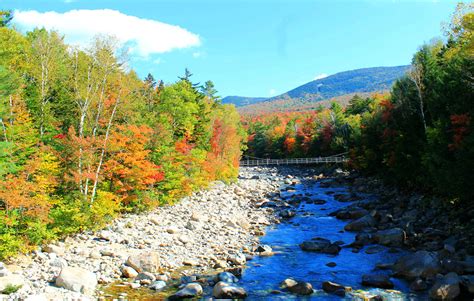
pixel 320 245
pixel 446 288
pixel 361 239
pixel 184 239
pixel 58 262
pixel 419 264
pixel 77 280
pixel 158 285
pixel 129 272
pixel 220 264
pixel 145 276
pixel 224 290
pixel 191 262
pixel 190 290
pixel 105 235
pixel 377 280
pixel 227 277
pixel 360 224
pixel 350 213
pixel 3 270
pixel 53 249
pixel 264 250
pixel 288 283
pixel 145 262
pixel 237 259
pixel 11 280
pixel 391 237
pixel 301 288
pixel 287 213
pixel 418 285
pixel 331 287
pixel 154 220
pixel 468 283
pixel 172 230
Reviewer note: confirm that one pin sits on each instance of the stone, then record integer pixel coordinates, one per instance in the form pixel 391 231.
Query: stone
pixel 77 280
pixel 11 280
pixel 377 280
pixel 172 230
pixel 264 250
pixel 446 288
pixel 129 272
pixel 237 259
pixel 374 249
pixel 288 283
pixel 360 224
pixel 391 237
pixel 190 290
pixel 227 277
pixel 224 290
pixel 350 213
pixel 191 262
pixel 418 285
pixel 301 288
pixel 154 220
pixel 158 285
pixel 145 276
pixel 331 287
pixel 419 264
pixel 145 262
pixel 468 283
pixel 320 245
pixel 331 264
pixel 287 213
pixel 51 248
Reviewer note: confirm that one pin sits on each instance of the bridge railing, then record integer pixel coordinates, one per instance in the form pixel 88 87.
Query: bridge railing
pixel 322 160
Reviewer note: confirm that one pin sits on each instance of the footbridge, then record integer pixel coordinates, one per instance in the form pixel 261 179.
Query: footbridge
pixel 253 161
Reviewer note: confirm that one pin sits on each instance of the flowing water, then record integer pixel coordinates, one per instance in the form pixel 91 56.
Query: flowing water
pixel 263 275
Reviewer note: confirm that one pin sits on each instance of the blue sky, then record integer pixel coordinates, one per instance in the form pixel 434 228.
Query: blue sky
pixel 256 48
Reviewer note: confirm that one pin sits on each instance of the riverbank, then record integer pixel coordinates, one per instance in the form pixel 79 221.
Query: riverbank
pixel 348 230
pixel 211 228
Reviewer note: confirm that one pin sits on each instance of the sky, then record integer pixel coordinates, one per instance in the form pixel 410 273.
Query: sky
pixel 246 47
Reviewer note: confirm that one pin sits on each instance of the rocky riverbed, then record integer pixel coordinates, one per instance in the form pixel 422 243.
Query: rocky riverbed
pixel 330 234
pixel 213 228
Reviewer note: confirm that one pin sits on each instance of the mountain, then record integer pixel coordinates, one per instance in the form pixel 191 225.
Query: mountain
pixel 240 101
pixel 336 86
pixel 354 81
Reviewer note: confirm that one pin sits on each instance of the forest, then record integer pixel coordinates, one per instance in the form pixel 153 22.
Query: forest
pixel 84 139
pixel 420 135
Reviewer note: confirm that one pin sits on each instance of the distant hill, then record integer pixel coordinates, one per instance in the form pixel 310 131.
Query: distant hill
pixel 334 87
pixel 240 101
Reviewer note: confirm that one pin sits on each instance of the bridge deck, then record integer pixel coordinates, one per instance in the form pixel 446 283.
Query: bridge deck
pixel 321 160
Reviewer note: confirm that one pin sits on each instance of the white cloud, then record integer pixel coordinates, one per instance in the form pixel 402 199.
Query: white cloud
pixel 144 36
pixel 320 76
pixel 197 54
pixel 272 92
pixel 157 61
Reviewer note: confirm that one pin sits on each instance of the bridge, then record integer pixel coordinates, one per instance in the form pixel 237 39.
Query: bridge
pixel 252 161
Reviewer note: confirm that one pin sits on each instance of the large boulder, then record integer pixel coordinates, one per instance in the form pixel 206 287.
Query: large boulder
pixel 360 224
pixel 224 290
pixel 301 288
pixel 227 277
pixel 446 288
pixel 320 245
pixel 145 262
pixel 419 264
pixel 377 280
pixel 77 280
pixel 391 237
pixel 190 290
pixel 334 288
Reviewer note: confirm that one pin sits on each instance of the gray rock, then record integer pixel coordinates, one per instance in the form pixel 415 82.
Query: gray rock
pixel 419 264
pixel 145 276
pixel 237 259
pixel 332 287
pixel 190 290
pixel 264 250
pixel 391 237
pixel 377 280
pixel 360 224
pixel 77 280
pixel 145 262
pixel 320 245
pixel 418 285
pixel 227 277
pixel 53 249
pixel 446 288
pixel 288 283
pixel 224 290
pixel 158 285
pixel 468 283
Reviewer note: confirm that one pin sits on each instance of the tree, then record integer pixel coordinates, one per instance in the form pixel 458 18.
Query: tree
pixel 5 17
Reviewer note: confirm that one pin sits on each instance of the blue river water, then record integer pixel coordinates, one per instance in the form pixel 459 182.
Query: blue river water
pixel 262 277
